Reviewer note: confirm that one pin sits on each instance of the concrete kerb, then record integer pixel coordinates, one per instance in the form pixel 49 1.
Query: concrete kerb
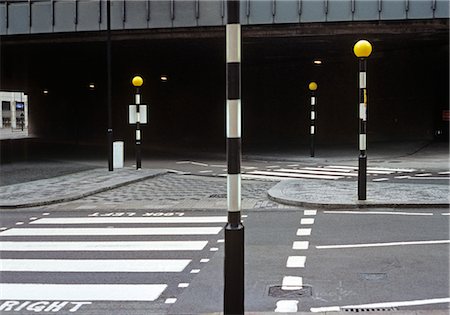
pixel 343 195
pixel 74 196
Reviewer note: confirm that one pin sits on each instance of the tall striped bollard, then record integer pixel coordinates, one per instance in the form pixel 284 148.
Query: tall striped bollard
pixel 313 87
pixel 234 230
pixel 362 50
pixel 137 82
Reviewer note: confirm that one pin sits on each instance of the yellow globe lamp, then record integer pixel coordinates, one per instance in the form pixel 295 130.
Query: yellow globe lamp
pixel 362 49
pixel 312 86
pixel 137 81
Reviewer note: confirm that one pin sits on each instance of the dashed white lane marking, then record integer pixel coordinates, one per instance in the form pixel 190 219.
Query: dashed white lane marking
pixel 317 172
pixel 3 228
pixel 444 173
pixel 300 245
pixel 445 213
pixel 310 212
pixel 46 213
pixel 199 164
pixel 206 171
pixel 431 178
pixel 170 300
pixel 303 232
pixel 81 292
pixel 296 262
pixel 292 283
pixel 383 244
pixel 213 249
pixel 380 213
pixel 402 177
pixel 183 285
pixel 204 260
pixel 32 218
pixel 195 271
pixel 293 165
pixel 19 223
pixel 221 241
pixel 381 305
pixel 287 306
pixel 291 175
pixel 307 221
pixel 406 170
pixel 93 265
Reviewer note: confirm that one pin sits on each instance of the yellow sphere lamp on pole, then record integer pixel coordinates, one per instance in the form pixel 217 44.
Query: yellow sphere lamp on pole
pixel 137 81
pixel 312 86
pixel 362 49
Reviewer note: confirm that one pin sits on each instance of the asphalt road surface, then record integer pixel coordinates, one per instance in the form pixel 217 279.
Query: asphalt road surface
pixel 171 262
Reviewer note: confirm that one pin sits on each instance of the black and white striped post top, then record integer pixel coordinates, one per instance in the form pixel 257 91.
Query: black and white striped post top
pixel 233 55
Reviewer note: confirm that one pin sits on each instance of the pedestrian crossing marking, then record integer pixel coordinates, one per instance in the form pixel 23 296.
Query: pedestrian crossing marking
pixel 94 265
pixel 288 174
pixel 104 246
pixel 318 172
pixel 81 292
pixel 129 220
pixel 112 231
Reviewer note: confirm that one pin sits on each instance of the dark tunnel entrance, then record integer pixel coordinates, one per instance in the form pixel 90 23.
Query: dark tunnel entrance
pixel 408 86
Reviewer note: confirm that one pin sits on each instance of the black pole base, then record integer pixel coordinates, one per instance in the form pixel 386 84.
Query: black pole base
pixel 234 269
pixel 362 177
pixel 312 146
pixel 138 156
pixel 110 150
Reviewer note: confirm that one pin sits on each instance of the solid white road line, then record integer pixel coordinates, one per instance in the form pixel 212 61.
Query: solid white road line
pixel 444 173
pixel 112 231
pixel 292 283
pixel 94 265
pixel 445 213
pixel 423 174
pixel 380 212
pixel 296 262
pixel 264 177
pixel 310 212
pixel 380 179
pixel 81 292
pixel 381 305
pixel 340 170
pixel 406 170
pixel 431 178
pixel 128 220
pixel 104 246
pixel 383 244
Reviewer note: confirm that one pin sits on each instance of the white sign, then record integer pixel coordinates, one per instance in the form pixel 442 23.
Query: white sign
pixel 134 116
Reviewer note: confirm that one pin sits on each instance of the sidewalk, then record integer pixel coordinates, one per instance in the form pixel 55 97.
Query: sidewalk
pixel 342 194
pixel 70 187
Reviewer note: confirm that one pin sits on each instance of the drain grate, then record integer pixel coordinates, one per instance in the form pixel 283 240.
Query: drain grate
pixel 218 196
pixel 278 292
pixel 362 310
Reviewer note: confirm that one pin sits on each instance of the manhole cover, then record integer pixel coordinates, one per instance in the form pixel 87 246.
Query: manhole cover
pixel 278 292
pixel 218 196
pixel 373 276
pixel 361 310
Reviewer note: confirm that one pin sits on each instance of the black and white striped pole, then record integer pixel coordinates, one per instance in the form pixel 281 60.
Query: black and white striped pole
pixel 234 230
pixel 313 87
pixel 362 50
pixel 137 82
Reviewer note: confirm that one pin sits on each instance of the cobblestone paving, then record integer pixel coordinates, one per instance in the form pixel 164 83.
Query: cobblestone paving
pixel 171 189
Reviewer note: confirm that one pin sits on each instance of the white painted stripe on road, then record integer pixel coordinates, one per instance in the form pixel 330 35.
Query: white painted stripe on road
pixel 303 232
pixel 444 173
pixel 91 265
pixel 104 246
pixel 307 221
pixel 128 220
pixel 112 231
pixel 445 213
pixel 380 212
pixel 287 306
pixel 81 292
pixel 383 244
pixel 381 305
pixel 423 174
pixel 305 171
pixel 264 177
pixel 292 283
pixel 402 177
pixel 406 170
pixel 328 169
pixel 310 212
pixel 432 178
pixel 380 179
pixel 300 245
pixel 296 262
pixel 292 175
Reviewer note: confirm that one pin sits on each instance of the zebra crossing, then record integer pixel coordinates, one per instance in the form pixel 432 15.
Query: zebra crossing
pixel 78 261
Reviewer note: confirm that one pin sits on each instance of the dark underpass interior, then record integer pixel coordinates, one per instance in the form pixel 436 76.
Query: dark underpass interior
pixel 408 87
